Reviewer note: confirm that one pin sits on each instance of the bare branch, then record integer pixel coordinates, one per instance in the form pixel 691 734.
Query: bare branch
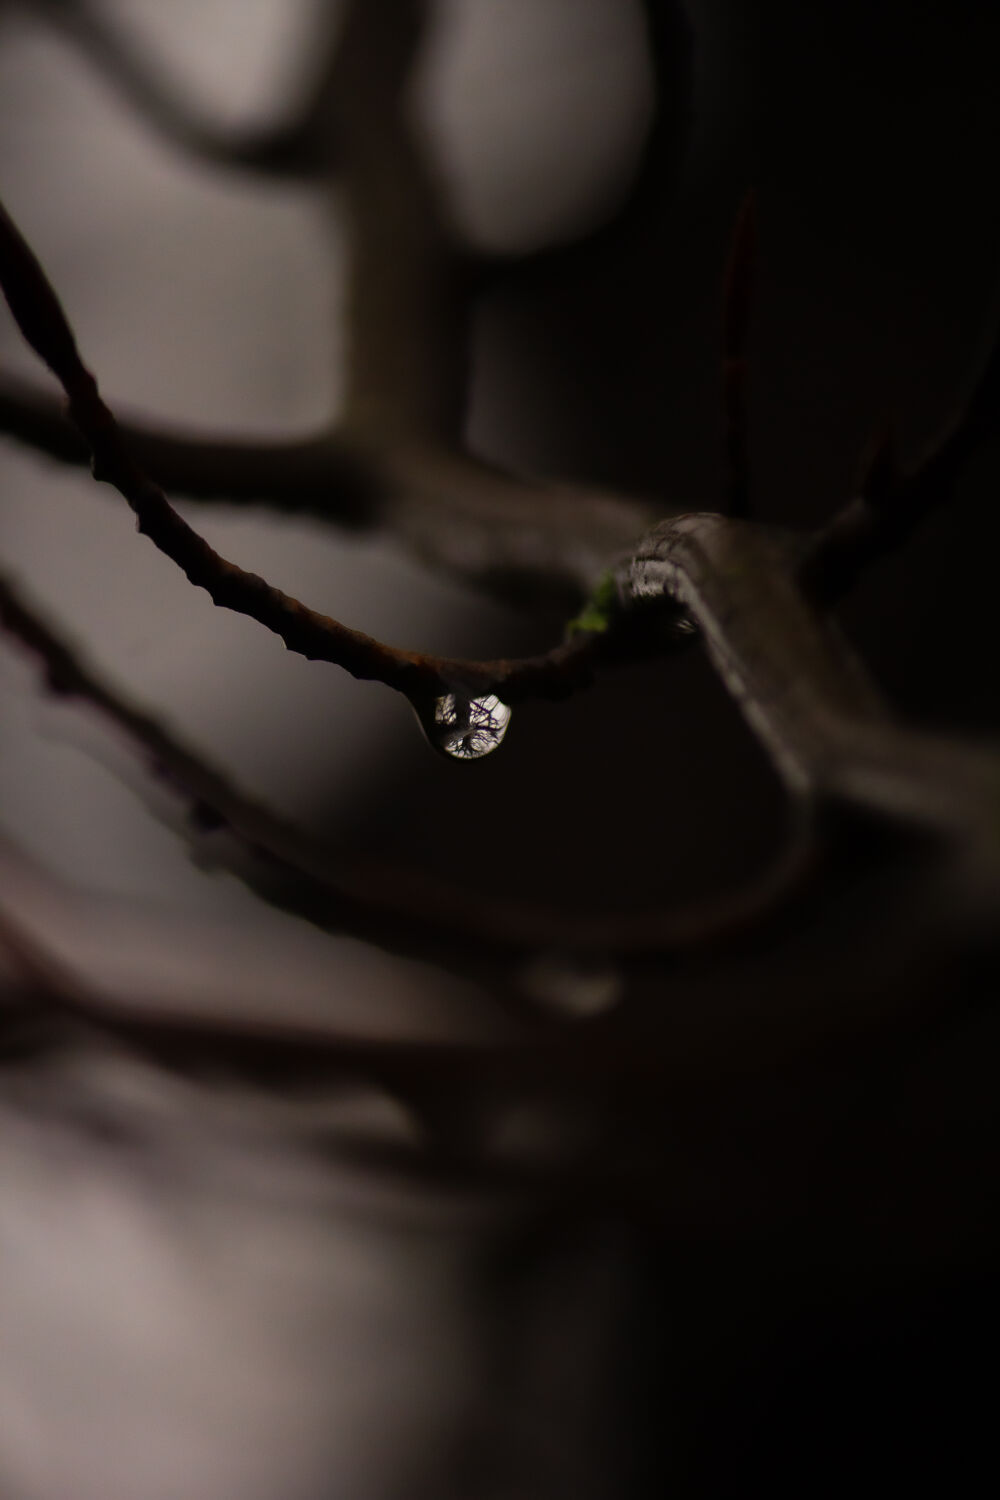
pixel 407 304
pixel 729 1012
pixel 309 1035
pixel 319 475
pixel 318 637
pixel 394 461
pixel 408 296
pixel 807 699
pixel 803 692
pixel 514 537
pixel 407 912
pixel 519 539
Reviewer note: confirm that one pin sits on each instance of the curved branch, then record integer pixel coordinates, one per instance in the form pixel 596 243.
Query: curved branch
pixel 803 692
pixel 513 537
pixel 319 475
pixel 750 1014
pixel 420 678
pixel 393 463
pixel 404 911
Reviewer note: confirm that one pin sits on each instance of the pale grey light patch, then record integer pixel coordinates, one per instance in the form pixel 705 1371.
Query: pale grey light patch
pixel 536 111
pixel 188 1310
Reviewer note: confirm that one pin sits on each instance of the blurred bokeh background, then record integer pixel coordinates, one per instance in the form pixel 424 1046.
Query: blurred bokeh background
pixel 195 1301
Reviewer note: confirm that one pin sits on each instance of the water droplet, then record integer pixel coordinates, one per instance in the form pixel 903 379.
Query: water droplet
pixel 467 728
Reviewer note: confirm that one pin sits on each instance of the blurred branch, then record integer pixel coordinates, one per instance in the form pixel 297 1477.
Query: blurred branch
pixel 306 1039
pixel 394 461
pixel 318 474
pixel 350 124
pixel 731 1011
pixel 511 536
pixel 648 196
pixel 403 911
pixel 803 692
pixel 408 296
pixel 800 690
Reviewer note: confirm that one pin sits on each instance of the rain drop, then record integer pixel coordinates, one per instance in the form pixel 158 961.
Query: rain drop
pixel 467 728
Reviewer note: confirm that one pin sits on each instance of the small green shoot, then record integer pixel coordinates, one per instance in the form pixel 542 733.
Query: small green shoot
pixel 595 615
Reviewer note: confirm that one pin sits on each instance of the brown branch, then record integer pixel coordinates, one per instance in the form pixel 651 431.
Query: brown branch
pixel 393 462
pixel 734 1013
pixel 803 692
pixel 420 678
pixel 312 1039
pixel 407 305
pixel 408 298
pixel 800 691
pixel 407 912
pixel 509 536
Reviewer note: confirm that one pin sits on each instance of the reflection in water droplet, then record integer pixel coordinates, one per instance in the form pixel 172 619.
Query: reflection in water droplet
pixel 468 728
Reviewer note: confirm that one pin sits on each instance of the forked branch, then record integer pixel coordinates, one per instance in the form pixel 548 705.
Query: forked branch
pixel 421 678
pixel 803 692
pixel 417 915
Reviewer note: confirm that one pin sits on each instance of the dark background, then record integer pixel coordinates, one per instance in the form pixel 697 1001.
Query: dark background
pixel 817 1311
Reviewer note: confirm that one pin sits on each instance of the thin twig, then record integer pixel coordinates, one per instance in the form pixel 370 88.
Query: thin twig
pixel 420 678
pixel 728 1013
pixel 313 1038
pixel 407 300
pixel 407 912
pixel 394 460
pixel 318 475
pixel 513 537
